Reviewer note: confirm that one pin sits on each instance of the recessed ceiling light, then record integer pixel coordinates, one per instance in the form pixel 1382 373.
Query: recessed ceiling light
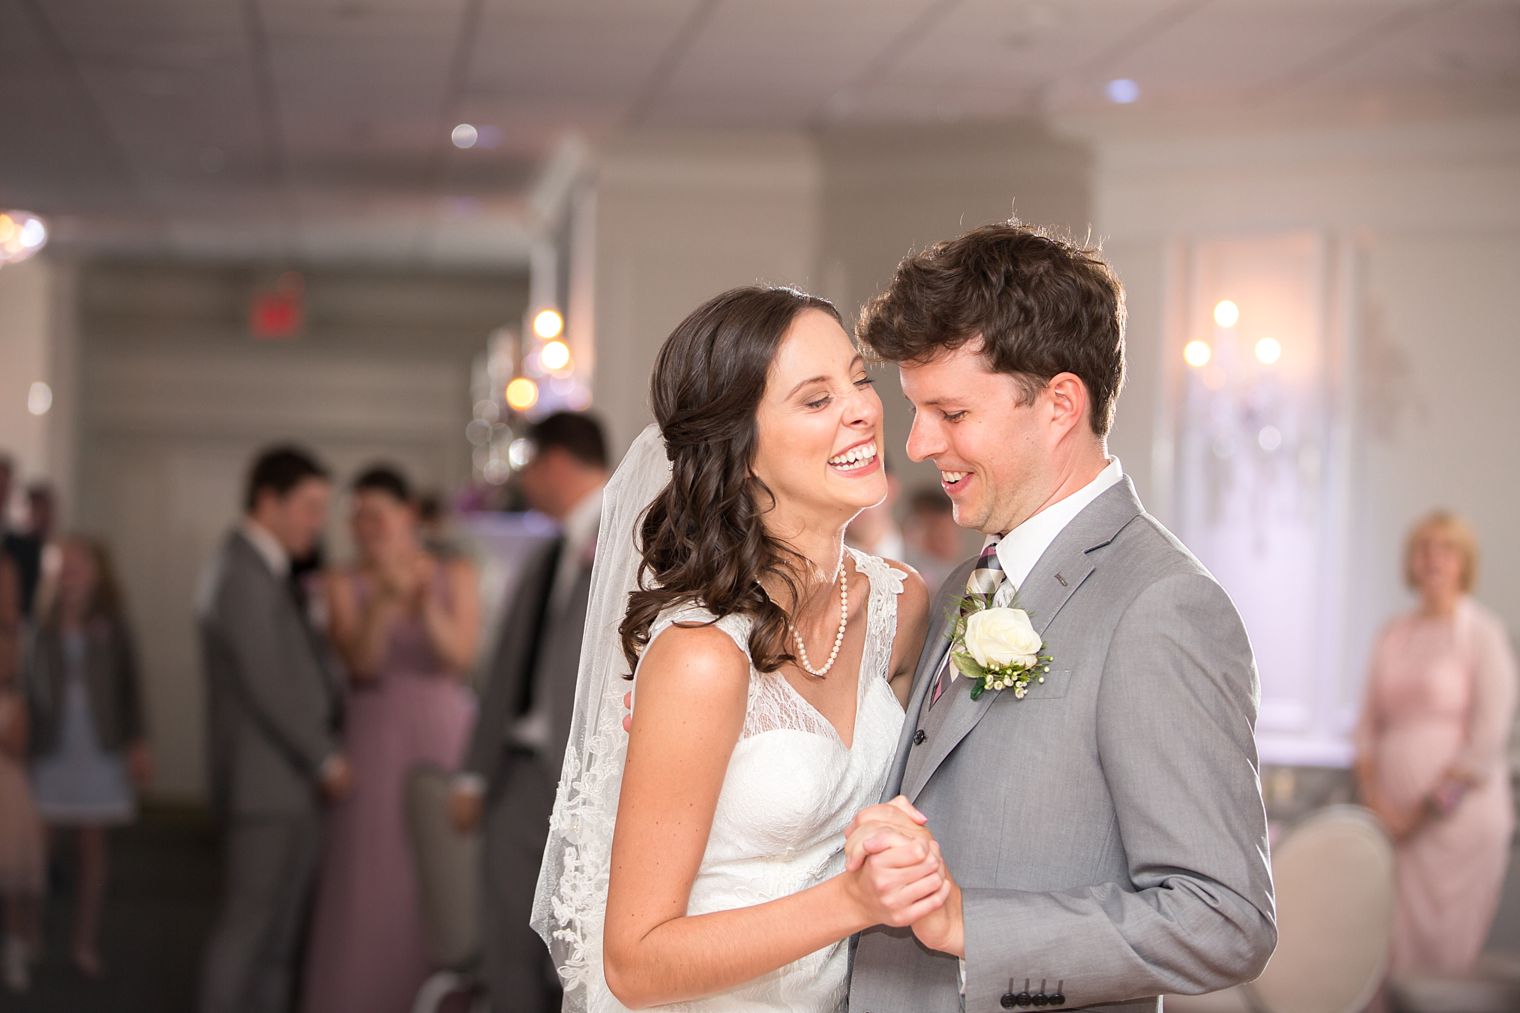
pixel 1122 91
pixel 464 136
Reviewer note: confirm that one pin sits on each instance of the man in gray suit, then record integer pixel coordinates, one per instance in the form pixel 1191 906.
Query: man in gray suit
pixel 274 712
pixel 514 758
pixel 1103 832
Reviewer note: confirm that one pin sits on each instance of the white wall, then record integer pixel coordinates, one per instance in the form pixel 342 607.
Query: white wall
pixel 887 193
pixel 1409 235
pixel 178 398
pixel 37 343
pixel 1420 226
pixel 680 218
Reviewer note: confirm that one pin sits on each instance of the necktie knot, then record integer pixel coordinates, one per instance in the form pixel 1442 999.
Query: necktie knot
pixel 987 576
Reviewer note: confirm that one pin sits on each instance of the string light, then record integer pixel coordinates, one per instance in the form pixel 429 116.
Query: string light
pixel 522 394
pixel 555 356
pixel 549 324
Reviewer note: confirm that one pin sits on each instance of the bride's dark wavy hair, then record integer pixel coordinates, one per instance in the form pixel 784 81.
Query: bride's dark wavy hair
pixel 703 539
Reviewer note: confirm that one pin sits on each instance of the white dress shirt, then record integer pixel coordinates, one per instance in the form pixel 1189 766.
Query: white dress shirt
pixel 580 529
pixel 268 547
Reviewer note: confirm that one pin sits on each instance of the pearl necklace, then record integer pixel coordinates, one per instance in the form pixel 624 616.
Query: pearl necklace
pixel 844 622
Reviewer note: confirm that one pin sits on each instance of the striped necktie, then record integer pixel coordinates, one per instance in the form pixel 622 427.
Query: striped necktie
pixel 983 584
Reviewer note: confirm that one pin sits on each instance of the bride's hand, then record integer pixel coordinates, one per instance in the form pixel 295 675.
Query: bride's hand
pixel 898 813
pixel 902 880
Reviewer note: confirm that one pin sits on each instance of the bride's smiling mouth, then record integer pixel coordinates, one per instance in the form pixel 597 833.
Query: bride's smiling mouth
pixel 860 459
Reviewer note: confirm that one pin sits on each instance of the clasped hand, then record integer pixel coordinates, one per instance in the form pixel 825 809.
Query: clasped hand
pixel 895 871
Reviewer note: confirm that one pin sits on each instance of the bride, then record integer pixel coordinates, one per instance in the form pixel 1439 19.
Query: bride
pixel 697 859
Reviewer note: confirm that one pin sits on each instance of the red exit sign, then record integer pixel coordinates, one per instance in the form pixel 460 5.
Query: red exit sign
pixel 278 313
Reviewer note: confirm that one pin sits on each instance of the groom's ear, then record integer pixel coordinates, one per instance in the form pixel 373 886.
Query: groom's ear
pixel 1069 401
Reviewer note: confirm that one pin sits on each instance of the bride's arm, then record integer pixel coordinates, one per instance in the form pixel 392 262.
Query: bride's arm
pixel 692 687
pixel 912 627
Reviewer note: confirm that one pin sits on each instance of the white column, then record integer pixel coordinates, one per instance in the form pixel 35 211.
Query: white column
pixel 37 346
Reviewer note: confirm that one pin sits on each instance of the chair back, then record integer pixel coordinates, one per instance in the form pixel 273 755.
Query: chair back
pixel 448 870
pixel 1334 880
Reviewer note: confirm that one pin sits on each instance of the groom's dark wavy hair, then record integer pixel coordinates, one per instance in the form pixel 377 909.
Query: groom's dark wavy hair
pixel 703 539
pixel 1041 304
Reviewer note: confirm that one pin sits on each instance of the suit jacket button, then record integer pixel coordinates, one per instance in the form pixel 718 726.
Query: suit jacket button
pixel 919 737
pixel 1059 999
pixel 1021 1000
pixel 1009 1000
pixel 1040 999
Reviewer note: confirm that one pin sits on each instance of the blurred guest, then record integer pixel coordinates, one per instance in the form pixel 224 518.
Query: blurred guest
pixel 436 529
pixel 874 529
pixel 405 623
pixel 21 845
pixel 23 547
pixel 41 511
pixel 1431 752
pixel 935 543
pixel 87 743
pixel 275 711
pixel 514 758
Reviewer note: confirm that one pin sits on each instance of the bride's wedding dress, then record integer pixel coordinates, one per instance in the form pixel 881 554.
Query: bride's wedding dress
pixel 791 788
pixel 792 784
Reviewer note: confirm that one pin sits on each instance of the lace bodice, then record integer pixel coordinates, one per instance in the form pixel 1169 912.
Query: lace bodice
pixel 791 787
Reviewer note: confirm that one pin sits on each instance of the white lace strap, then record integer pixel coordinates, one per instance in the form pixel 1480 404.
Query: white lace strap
pixel 736 626
pixel 884 578
pixel 886 584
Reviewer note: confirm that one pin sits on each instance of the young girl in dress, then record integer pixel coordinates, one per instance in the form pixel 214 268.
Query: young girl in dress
pixel 88 749
pixel 21 862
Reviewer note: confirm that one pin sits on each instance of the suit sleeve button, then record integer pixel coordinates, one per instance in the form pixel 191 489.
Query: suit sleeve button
pixel 1009 1000
pixel 919 737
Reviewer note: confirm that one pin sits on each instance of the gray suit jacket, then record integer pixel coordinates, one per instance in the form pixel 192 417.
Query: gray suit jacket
pixel 273 703
pixel 1107 831
pixel 554 669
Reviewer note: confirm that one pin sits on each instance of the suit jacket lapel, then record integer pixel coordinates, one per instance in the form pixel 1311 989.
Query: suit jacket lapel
pixel 1056 576
pixel 929 660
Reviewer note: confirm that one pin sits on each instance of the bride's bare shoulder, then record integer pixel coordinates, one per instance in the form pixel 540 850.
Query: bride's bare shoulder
pixel 700 662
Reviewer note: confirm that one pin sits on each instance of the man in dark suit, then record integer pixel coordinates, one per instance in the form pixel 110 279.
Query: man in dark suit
pixel 23 548
pixel 274 711
pixel 513 762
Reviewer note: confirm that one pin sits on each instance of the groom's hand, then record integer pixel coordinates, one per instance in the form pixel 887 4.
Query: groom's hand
pixel 943 928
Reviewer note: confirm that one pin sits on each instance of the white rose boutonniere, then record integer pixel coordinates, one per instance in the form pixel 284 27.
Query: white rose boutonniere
pixel 996 648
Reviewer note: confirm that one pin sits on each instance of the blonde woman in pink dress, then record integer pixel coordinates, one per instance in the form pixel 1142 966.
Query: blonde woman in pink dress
pixel 1432 753
pixel 405 623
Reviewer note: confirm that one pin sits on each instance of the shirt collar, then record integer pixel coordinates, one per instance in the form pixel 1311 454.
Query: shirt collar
pixel 1022 547
pixel 267 546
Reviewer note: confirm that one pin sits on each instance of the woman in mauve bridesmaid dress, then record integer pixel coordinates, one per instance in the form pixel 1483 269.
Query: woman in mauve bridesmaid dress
pixel 405 622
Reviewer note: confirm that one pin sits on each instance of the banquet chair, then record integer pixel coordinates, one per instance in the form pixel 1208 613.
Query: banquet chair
pixel 1333 874
pixel 448 880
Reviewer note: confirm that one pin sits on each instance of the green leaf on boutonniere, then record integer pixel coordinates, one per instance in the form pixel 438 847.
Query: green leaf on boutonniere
pixel 977 688
pixel 967 665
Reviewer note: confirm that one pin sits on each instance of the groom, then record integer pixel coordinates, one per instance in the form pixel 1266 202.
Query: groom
pixel 1104 833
